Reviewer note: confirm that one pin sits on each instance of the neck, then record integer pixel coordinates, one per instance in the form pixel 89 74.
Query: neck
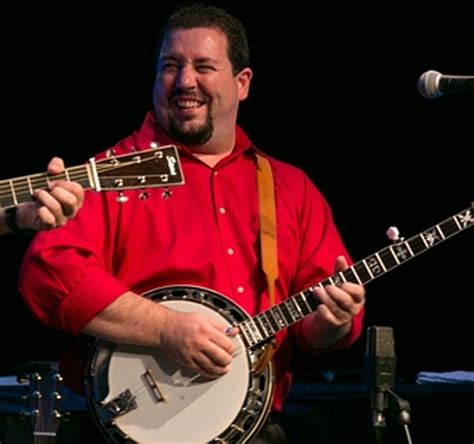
pixel 211 159
pixel 214 150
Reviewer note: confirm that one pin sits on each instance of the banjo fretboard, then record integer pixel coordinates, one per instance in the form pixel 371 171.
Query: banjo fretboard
pixel 263 326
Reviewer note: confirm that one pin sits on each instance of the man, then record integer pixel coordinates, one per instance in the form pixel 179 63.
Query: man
pixel 51 208
pixel 89 277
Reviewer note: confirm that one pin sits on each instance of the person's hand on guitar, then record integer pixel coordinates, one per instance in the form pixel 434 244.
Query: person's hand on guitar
pixel 333 318
pixel 53 207
pixel 198 342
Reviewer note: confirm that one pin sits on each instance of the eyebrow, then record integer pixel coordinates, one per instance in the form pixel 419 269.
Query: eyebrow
pixel 197 60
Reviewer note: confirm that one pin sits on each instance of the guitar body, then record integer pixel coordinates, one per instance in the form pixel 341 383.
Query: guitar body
pixel 137 394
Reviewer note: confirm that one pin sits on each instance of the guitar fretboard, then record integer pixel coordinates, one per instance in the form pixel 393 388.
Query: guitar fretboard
pixel 20 189
pixel 264 325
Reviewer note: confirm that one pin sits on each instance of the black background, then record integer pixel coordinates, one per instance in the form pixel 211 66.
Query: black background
pixel 334 92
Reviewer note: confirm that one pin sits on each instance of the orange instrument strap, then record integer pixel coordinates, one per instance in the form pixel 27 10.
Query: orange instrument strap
pixel 268 243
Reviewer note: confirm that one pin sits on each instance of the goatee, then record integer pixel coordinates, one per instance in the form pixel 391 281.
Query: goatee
pixel 196 136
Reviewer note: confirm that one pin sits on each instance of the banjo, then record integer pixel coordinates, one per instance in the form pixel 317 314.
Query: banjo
pixel 138 395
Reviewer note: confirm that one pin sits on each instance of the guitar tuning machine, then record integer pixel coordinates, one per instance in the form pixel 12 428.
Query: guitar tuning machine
pixel 121 198
pixel 394 235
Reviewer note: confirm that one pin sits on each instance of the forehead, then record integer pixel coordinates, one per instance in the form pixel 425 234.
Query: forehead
pixel 196 42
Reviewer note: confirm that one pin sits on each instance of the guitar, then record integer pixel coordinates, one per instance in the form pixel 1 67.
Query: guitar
pixel 156 167
pixel 45 385
pixel 139 395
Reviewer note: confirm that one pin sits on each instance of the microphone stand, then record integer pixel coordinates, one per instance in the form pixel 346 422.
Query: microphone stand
pixel 398 408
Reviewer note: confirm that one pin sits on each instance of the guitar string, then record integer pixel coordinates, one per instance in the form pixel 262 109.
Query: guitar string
pixel 140 390
pixel 26 183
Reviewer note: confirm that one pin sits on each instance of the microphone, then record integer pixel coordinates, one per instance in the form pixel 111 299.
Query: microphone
pixel 380 364
pixel 433 84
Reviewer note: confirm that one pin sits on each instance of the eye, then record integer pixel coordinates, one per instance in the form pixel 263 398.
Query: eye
pixel 169 67
pixel 205 68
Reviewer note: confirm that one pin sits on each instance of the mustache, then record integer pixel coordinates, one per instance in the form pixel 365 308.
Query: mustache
pixel 181 93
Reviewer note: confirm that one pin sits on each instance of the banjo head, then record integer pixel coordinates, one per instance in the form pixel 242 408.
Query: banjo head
pixel 138 394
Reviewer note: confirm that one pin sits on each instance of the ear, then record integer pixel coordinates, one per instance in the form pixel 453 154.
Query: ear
pixel 243 83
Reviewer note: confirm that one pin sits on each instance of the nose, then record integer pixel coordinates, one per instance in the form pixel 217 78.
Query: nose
pixel 186 78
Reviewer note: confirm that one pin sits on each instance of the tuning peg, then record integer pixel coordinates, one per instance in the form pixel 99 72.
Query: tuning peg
pixel 394 235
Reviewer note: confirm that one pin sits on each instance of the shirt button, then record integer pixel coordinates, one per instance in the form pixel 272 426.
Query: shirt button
pixel 153 145
pixel 240 289
pixel 230 251
pixel 222 210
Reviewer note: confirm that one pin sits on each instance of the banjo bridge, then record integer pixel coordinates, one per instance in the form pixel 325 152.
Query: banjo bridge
pixel 152 384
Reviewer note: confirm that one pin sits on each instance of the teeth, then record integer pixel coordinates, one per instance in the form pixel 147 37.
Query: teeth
pixel 188 104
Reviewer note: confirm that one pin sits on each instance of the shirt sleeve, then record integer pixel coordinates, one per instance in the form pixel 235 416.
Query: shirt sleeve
pixel 66 277
pixel 321 244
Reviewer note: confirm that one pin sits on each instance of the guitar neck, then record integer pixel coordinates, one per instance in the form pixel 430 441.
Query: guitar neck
pixel 263 326
pixel 42 439
pixel 19 190
pixel 156 167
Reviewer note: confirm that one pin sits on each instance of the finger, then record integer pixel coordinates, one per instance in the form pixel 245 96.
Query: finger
pixel 44 219
pixel 356 291
pixel 341 264
pixel 337 301
pixel 222 339
pixel 55 165
pixel 67 200
pixel 52 204
pixel 207 367
pixel 72 187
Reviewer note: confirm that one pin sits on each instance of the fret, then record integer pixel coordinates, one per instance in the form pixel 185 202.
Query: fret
pixel 352 276
pixel 286 314
pixel 267 323
pixel 417 245
pixel 373 265
pixel 15 201
pixel 380 261
pixel 22 192
pixel 402 251
pixel 388 258
pixel 294 309
pixel 30 187
pixel 458 223
pixel 450 227
pixel 362 272
pixel 368 269
pixel 302 304
pixel 250 339
pixel 394 255
pixel 431 237
pixel 311 299
pixel 440 232
pixel 424 240
pixel 277 314
pixel 272 319
pixel 254 330
pixel 261 327
pixel 409 248
pixel 330 280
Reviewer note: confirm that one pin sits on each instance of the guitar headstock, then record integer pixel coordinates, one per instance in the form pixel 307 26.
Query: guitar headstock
pixel 156 167
pixel 45 386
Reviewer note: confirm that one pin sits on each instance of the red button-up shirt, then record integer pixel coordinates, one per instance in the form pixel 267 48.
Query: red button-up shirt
pixel 205 233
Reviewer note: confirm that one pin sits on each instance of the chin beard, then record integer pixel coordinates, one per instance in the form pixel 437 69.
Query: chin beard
pixel 194 137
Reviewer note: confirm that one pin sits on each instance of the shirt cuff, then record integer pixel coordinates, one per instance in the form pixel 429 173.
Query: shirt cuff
pixel 93 294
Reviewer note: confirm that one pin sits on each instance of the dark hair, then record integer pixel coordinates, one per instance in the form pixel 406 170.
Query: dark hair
pixel 196 15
